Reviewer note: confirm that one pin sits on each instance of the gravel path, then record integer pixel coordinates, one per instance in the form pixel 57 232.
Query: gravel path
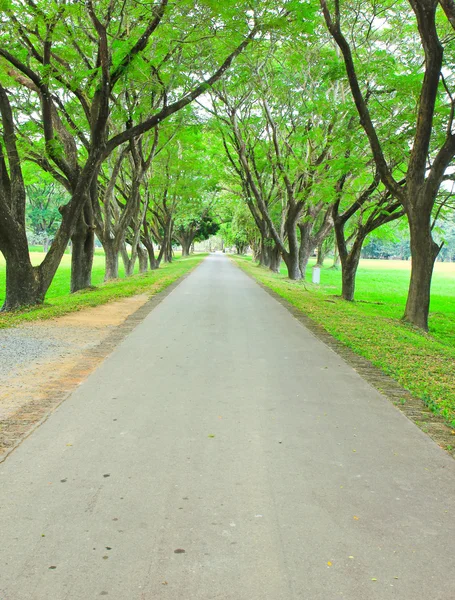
pixel 42 362
pixel 25 345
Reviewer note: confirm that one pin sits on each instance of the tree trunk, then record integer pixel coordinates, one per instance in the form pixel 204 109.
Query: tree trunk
pixel 275 259
pixel 349 267
pixel 305 251
pixel 111 253
pixel 168 254
pixel 424 251
pixel 186 244
pixel 128 263
pixel 322 253
pixel 83 243
pixel 23 283
pixel 153 260
pixel 291 258
pixel 167 242
pixel 262 254
pixel 143 259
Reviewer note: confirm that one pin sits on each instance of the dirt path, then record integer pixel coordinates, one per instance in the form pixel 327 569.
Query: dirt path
pixel 72 347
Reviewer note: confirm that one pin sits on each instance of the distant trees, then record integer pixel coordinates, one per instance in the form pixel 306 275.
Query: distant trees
pixel 42 211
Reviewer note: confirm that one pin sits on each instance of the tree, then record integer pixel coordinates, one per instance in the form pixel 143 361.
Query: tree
pixel 371 209
pixel 46 44
pixel 431 143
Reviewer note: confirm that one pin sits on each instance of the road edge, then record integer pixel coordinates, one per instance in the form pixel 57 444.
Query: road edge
pixel 91 359
pixel 412 407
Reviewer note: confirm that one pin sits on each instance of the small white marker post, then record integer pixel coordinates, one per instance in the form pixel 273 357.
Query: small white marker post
pixel 316 275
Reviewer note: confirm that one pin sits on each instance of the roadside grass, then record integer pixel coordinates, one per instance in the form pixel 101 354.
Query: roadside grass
pixel 59 301
pixel 422 363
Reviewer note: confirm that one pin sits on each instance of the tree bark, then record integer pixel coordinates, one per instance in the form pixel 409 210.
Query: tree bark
pixel 23 282
pixel 322 253
pixel 167 241
pixel 350 263
pixel 143 259
pixel 153 260
pixel 424 252
pixel 128 262
pixel 275 259
pixel 111 253
pixel 83 244
pixel 186 242
pixel 291 258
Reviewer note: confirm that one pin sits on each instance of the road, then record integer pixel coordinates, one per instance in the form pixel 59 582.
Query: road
pixel 223 452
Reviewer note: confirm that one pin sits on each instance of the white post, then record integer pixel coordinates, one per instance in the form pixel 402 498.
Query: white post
pixel 316 275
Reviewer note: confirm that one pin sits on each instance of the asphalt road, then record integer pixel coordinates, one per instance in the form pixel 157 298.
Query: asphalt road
pixel 223 452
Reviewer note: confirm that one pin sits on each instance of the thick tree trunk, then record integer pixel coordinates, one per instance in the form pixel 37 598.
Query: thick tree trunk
pixel 262 253
pixel 275 259
pixel 153 260
pixel 167 243
pixel 128 263
pixel 349 267
pixel 186 244
pixel 291 258
pixel 292 265
pixel 143 259
pixel 111 253
pixel 269 254
pixel 23 283
pixel 424 251
pixel 305 251
pixel 83 250
pixel 168 254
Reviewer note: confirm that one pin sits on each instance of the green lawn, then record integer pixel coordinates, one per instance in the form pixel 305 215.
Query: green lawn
pixel 59 301
pixel 371 326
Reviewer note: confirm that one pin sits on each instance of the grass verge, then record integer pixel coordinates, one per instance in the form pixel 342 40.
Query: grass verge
pixel 60 302
pixel 422 363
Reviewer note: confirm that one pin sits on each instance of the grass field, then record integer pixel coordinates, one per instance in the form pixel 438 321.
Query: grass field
pixel 371 326
pixel 59 301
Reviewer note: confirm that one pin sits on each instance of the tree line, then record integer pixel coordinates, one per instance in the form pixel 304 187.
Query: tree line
pixel 289 123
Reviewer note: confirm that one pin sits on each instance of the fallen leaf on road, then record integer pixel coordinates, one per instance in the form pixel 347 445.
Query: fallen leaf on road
pixel 211 436
pixel 329 564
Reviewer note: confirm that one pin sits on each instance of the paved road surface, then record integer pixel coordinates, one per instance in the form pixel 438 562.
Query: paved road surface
pixel 224 453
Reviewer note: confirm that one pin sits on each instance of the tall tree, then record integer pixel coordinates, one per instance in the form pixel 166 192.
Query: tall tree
pixel 432 139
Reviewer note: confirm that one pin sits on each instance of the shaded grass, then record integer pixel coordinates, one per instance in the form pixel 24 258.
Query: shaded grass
pixel 60 302
pixel 422 363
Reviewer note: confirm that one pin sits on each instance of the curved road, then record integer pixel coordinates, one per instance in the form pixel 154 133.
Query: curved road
pixel 223 452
